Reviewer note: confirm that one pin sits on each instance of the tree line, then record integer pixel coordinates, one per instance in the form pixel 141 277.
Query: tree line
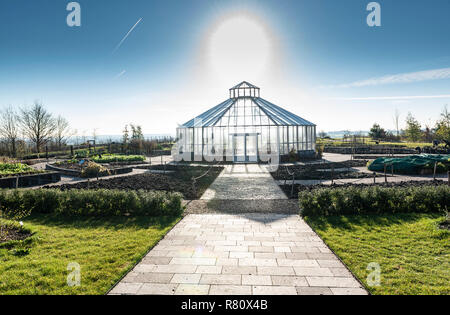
pixel 414 131
pixel 34 126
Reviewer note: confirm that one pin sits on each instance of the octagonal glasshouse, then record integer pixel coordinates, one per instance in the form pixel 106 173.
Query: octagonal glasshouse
pixel 245 128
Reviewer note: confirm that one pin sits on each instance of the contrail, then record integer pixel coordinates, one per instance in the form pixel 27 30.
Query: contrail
pixel 120 74
pixel 128 34
pixel 435 74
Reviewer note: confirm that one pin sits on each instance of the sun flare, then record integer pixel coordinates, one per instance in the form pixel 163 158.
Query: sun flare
pixel 240 46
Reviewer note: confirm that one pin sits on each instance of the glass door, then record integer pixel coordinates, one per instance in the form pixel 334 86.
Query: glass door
pixel 239 148
pixel 251 143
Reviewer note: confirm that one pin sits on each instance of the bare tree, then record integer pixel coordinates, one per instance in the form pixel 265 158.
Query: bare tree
pixel 10 127
pixel 62 131
pixel 38 124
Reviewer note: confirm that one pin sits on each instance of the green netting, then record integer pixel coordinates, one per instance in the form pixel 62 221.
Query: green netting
pixel 409 164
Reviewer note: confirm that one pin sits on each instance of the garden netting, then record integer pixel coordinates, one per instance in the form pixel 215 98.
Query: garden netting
pixel 412 164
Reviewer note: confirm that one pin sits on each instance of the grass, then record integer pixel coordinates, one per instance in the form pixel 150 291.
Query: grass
pixel 413 253
pixel 105 248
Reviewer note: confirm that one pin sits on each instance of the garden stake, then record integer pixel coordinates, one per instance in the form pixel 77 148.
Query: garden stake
pixel 374 177
pixel 385 176
pixel 332 175
pixel 293 182
pixel 434 171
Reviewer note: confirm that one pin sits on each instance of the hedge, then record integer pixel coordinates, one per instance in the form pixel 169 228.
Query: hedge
pixel 100 202
pixel 374 200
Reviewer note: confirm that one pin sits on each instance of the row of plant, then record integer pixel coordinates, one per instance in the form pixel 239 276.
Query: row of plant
pixel 8 169
pixel 111 158
pixel 374 200
pixel 89 202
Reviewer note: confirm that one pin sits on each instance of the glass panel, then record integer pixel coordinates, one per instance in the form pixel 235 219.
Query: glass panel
pixel 239 148
pixel 251 148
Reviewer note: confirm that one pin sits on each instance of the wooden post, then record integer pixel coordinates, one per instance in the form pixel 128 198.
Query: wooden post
pixel 71 150
pixel 332 175
pixel 385 176
pixel 293 182
pixel 374 177
pixel 161 158
pixel 193 187
pixel 17 182
pixel 392 170
pixel 434 171
pixel 164 167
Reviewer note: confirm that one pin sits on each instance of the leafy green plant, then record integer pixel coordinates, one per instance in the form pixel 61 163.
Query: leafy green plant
pixel 15 168
pixel 109 158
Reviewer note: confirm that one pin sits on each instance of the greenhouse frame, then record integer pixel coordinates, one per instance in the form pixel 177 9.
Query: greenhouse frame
pixel 245 128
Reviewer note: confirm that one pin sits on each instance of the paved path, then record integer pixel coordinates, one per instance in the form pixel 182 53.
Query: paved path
pixel 240 254
pixel 244 181
pixel 251 254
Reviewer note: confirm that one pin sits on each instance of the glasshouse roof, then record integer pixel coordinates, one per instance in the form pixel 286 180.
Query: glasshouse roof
pixel 277 115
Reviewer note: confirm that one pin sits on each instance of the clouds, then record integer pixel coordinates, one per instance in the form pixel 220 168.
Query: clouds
pixel 390 98
pixel 435 74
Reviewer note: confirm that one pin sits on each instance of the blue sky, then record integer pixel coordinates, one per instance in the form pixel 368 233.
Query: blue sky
pixel 318 59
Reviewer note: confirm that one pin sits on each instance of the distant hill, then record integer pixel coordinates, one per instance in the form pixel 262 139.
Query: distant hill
pixel 340 134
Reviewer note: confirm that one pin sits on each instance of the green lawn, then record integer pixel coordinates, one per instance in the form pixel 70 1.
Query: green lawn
pixel 104 247
pixel 414 255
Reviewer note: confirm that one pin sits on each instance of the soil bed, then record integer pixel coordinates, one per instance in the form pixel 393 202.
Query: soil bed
pixel 13 234
pixel 311 171
pixel 298 188
pixel 180 180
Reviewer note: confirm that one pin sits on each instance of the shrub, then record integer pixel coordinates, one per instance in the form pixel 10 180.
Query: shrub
pixel 101 202
pixel 374 200
pixel 93 169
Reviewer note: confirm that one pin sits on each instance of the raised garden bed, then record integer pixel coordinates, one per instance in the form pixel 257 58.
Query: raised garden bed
pixel 312 171
pixel 16 169
pixel 20 181
pixel 369 150
pixel 75 169
pixel 180 180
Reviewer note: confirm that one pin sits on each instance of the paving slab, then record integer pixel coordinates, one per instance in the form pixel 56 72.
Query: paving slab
pixel 248 245
pixel 249 268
